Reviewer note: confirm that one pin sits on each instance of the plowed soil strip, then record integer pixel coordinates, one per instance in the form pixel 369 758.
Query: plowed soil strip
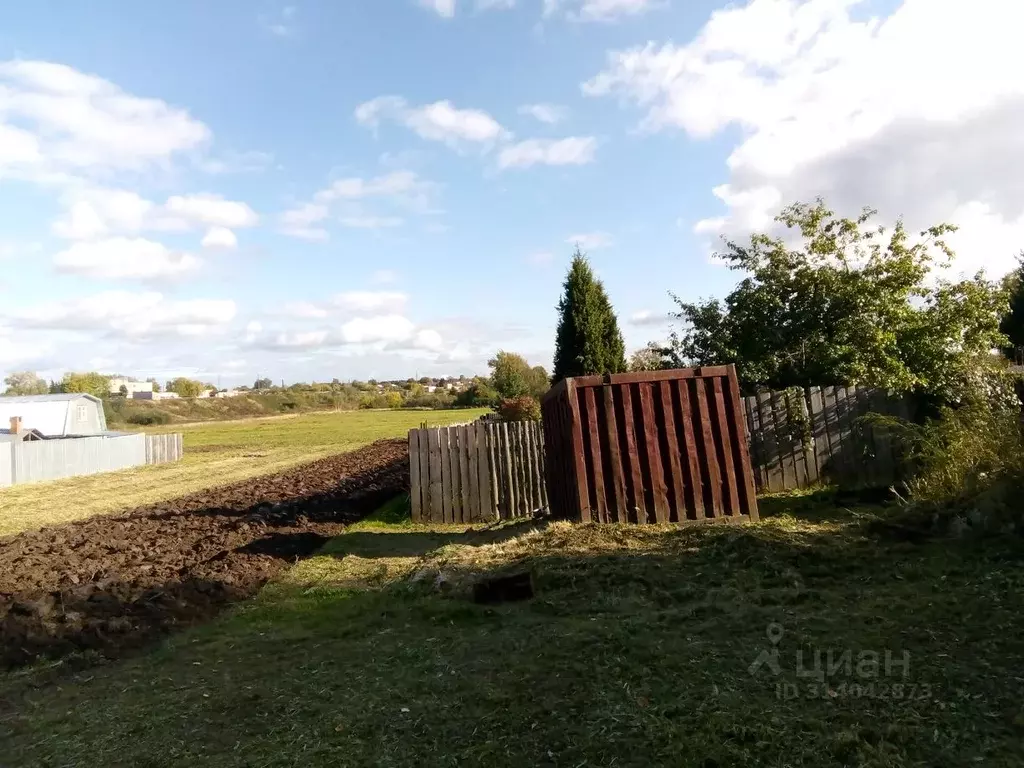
pixel 112 583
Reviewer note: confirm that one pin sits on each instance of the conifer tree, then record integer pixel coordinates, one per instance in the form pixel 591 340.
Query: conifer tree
pixel 588 339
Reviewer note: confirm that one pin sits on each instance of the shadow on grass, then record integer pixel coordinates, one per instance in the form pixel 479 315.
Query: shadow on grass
pixel 635 652
pixel 398 543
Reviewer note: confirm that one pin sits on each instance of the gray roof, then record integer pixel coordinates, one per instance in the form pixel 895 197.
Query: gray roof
pixel 63 398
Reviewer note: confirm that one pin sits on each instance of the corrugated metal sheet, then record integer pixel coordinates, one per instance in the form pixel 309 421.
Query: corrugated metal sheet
pixel 53 459
pixel 55 415
pixel 5 464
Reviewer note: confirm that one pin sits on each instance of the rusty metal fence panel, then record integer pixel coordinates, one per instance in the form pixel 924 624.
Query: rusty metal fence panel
pixel 654 447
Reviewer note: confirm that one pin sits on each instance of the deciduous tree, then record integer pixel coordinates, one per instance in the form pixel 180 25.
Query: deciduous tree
pixel 25 383
pixel 850 304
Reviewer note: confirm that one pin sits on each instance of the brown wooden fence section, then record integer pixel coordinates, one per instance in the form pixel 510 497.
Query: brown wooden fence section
pixel 799 438
pixel 661 446
pixel 476 472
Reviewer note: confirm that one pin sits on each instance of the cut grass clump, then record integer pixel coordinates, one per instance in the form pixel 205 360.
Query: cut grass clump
pixel 636 651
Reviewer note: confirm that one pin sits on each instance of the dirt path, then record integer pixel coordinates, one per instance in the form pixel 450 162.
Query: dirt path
pixel 112 583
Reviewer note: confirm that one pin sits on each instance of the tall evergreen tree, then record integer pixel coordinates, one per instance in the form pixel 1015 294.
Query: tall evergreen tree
pixel 588 339
pixel 1013 321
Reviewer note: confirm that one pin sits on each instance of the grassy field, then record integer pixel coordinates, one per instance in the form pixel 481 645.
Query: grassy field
pixel 636 651
pixel 216 453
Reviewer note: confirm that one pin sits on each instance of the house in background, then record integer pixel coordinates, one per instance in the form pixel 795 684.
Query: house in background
pixel 131 386
pixel 151 395
pixel 19 433
pixel 68 415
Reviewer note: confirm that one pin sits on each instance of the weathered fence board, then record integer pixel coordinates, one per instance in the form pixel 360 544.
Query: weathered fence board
pixel 802 437
pixel 661 446
pixel 476 472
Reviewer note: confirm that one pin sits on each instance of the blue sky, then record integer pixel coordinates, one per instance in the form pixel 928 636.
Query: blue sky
pixel 357 189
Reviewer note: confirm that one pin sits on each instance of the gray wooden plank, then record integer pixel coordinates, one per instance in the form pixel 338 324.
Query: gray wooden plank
pixel 492 465
pixel 819 433
pixel 436 503
pixel 486 496
pixel 446 476
pixel 475 507
pixel 453 468
pixel 415 491
pixel 510 480
pixel 772 462
pixel 467 510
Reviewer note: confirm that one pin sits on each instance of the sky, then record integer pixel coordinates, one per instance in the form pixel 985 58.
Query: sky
pixel 355 189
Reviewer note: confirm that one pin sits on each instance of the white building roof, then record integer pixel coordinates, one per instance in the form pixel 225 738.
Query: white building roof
pixel 47 413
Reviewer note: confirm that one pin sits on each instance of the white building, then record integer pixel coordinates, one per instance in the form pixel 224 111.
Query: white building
pixel 131 386
pixel 151 395
pixel 56 415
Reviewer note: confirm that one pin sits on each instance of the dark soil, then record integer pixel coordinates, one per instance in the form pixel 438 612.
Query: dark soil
pixel 112 583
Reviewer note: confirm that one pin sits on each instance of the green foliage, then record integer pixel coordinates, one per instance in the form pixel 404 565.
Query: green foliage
pixel 262 384
pixel 588 338
pixel 480 394
pixel 394 399
pixel 90 383
pixel 1012 324
pixel 149 418
pixel 852 304
pixel 185 387
pixel 522 408
pixel 25 383
pixel 512 376
pixel 649 358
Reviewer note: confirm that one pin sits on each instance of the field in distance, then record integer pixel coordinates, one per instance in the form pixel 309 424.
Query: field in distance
pixel 216 453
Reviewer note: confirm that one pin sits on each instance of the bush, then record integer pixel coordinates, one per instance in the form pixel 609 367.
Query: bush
pixel 149 418
pixel 967 467
pixel 524 408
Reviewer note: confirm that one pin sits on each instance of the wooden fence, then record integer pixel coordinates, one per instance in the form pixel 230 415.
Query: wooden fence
pixel 476 472
pixel 799 438
pixel 161 449
pixel 661 446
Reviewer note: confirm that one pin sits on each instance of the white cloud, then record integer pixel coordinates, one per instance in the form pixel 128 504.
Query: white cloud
pixel 212 210
pixel 398 189
pixel 370 330
pixel 428 339
pixel 370 301
pixel 600 10
pixel 440 121
pixel 646 317
pixel 219 237
pixel 574 150
pixel 371 222
pixel 495 5
pixel 80 122
pixel 94 212
pixel 541 258
pixel 128 314
pixel 282 23
pixel 299 221
pixel 444 8
pixel 304 309
pixel 590 241
pixel 546 113
pixel 874 112
pixel 122 258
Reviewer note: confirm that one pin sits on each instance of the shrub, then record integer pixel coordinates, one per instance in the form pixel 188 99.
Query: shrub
pixel 149 418
pixel 524 408
pixel 967 466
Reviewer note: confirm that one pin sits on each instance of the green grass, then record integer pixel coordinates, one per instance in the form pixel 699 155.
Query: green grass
pixel 635 652
pixel 216 453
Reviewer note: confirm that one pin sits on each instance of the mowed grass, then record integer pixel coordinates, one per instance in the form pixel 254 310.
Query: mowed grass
pixel 216 453
pixel 636 651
